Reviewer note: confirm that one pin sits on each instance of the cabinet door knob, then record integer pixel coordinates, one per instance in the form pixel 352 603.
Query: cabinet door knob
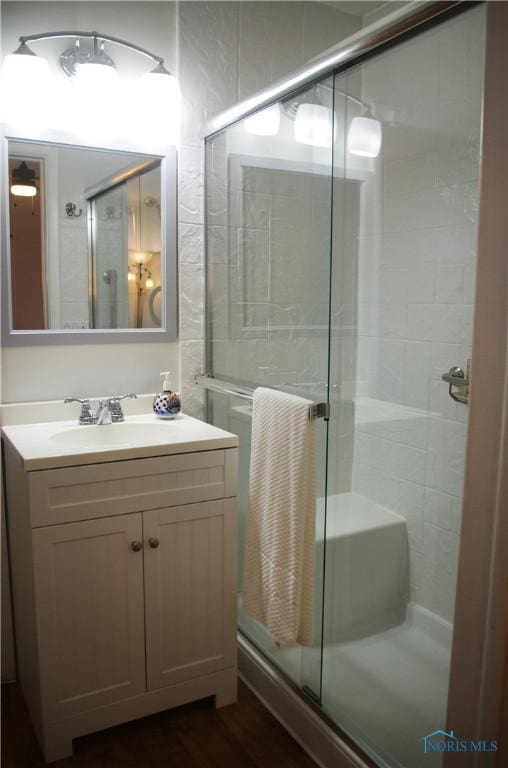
pixel 154 542
pixel 136 546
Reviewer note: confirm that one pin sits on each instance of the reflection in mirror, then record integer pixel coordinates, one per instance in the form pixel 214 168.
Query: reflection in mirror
pixel 85 238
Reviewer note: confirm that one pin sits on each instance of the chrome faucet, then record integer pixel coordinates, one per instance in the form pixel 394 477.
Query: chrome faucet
pixel 103 413
pixel 108 411
pixel 86 416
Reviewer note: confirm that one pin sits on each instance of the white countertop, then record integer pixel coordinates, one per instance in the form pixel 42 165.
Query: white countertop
pixel 50 444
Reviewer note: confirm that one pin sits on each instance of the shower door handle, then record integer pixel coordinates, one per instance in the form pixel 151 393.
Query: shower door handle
pixel 458 382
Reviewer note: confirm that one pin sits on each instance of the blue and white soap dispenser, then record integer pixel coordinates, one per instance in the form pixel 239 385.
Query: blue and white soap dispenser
pixel 167 405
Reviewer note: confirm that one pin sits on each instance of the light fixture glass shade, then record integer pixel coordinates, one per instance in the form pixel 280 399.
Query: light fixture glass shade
pixel 159 100
pixel 264 123
pixel 25 78
pixel 95 75
pixel 23 190
pixel 95 99
pixel 19 67
pixel 364 137
pixel 313 125
pixel 149 282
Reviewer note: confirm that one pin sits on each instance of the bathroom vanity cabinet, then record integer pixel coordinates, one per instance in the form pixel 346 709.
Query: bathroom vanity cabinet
pixel 124 586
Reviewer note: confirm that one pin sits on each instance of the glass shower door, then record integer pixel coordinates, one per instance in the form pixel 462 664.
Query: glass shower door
pixel 406 169
pixel 268 228
pixel 108 244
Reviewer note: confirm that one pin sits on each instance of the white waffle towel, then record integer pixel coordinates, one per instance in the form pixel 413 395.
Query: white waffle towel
pixel 280 527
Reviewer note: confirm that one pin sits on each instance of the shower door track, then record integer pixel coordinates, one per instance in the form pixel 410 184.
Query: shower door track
pixel 319 736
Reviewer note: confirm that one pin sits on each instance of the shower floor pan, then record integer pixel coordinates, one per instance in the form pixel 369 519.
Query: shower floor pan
pixel 385 660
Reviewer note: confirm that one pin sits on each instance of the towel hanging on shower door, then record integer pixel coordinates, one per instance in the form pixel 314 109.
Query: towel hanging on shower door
pixel 280 526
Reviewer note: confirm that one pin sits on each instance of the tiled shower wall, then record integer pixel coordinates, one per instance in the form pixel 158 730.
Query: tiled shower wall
pixel 272 275
pixel 229 50
pixel 416 292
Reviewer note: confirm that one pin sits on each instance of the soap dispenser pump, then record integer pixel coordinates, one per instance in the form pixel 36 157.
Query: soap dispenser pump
pixel 166 404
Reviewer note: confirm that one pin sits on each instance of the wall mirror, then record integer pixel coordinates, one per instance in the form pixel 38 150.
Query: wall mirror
pixel 91 244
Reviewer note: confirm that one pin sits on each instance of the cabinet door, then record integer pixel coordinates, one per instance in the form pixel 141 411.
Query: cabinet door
pixel 90 619
pixel 189 591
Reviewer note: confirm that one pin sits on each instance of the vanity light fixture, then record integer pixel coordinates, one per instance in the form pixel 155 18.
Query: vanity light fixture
pixel 24 64
pixel 93 74
pixel 23 181
pixel 25 77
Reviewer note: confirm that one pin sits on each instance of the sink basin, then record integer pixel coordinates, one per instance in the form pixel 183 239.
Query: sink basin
pixel 47 445
pixel 123 434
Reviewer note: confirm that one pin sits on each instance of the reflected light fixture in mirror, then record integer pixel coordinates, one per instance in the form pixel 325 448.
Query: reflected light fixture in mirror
pixel 264 123
pixel 364 136
pixel 97 93
pixel 313 125
pixel 140 257
pixel 23 181
pixel 142 276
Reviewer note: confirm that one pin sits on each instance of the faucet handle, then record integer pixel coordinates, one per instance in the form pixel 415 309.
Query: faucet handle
pixel 115 407
pixel 86 416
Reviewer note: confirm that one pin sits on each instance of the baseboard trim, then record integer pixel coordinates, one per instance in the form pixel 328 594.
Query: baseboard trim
pixel 306 726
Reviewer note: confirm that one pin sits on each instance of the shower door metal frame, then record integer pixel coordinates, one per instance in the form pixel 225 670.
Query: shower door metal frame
pixel 93 276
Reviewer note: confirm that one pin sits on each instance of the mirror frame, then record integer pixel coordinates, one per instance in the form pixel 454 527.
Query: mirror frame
pixel 169 238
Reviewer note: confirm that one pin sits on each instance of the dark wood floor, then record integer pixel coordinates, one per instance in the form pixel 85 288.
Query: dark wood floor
pixel 243 735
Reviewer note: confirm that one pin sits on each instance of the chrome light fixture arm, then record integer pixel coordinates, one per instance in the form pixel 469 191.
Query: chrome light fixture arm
pixel 95 36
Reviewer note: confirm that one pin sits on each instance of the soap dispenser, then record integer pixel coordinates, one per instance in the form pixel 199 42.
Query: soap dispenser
pixel 167 405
